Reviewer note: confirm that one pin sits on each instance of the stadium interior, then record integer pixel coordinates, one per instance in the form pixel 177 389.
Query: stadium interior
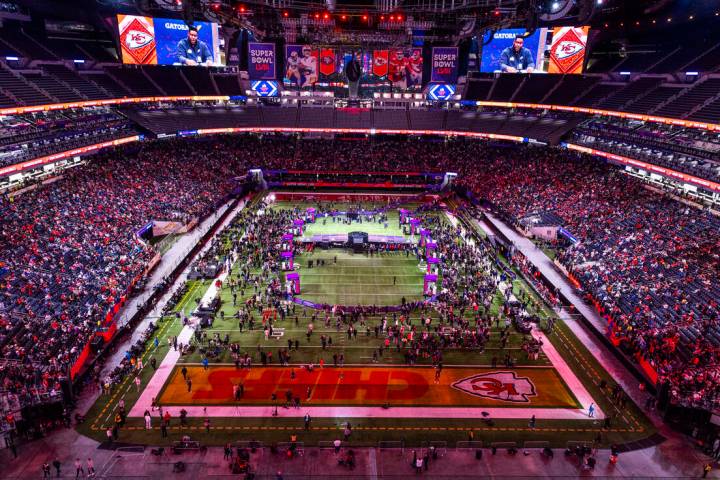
pixel 360 239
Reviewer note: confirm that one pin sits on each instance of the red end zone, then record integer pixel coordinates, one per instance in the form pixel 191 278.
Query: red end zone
pixel 371 386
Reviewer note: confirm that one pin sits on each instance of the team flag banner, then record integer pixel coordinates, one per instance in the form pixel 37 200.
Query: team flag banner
pixel 301 65
pixel 380 63
pixel 137 39
pixel 567 51
pixel 261 61
pixel 328 61
pixel 444 64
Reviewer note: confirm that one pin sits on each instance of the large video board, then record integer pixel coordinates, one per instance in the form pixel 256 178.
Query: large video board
pixel 167 41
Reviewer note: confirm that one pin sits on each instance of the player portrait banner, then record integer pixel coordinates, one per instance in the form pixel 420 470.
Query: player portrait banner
pixel 137 39
pixel 380 63
pixel 567 51
pixel 261 61
pixel 405 68
pixel 328 62
pixel 301 65
pixel 444 64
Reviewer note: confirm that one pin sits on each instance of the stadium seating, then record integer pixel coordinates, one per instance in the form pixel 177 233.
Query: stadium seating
pixel 52 87
pixel 200 80
pixel 169 79
pixel 17 86
pixel 640 59
pixel 228 84
pixel 108 84
pixel 25 45
pixel 87 89
pixel 135 80
pixel 690 98
pixel 42 133
pixel 649 102
pixel 505 87
pixel 618 99
pixel 707 113
pixel 598 92
pixel 534 90
pixel 570 88
pixel 478 89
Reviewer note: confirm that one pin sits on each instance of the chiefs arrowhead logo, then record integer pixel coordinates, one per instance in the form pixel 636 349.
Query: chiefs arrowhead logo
pixel 504 386
pixel 138 41
pixel 568 48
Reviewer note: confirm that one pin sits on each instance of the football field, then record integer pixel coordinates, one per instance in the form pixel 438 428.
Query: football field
pixel 337 375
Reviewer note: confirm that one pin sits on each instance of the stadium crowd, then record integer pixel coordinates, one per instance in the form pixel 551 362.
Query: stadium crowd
pixel 68 252
pixel 649 262
pixel 68 249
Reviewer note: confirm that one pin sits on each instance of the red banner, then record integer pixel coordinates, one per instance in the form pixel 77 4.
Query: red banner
pixel 380 63
pixel 80 361
pixel 327 61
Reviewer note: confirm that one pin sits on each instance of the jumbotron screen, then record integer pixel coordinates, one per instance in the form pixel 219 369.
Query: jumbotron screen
pixel 167 41
pixel 557 50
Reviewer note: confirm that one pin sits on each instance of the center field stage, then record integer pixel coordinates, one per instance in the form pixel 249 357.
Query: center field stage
pixel 349 278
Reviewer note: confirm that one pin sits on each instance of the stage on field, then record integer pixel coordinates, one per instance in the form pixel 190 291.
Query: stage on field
pixel 371 386
pixel 347 278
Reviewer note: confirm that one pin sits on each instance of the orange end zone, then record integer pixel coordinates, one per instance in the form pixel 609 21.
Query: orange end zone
pixel 372 386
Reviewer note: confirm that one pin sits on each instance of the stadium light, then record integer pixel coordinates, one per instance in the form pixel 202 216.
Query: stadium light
pixel 12 59
pixel 79 61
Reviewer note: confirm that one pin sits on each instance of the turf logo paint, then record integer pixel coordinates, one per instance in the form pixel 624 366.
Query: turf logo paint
pixel 504 386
